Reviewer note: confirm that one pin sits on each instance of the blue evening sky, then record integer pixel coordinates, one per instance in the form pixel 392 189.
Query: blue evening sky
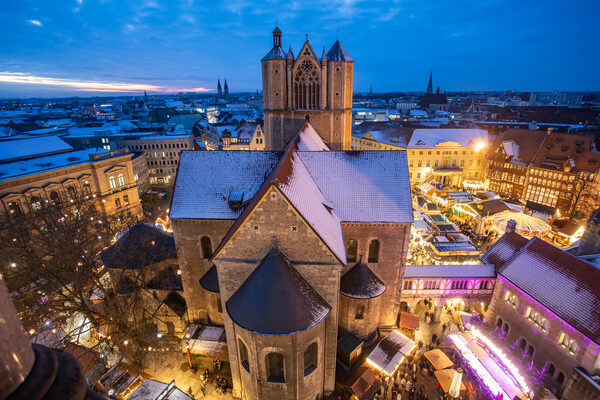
pixel 84 46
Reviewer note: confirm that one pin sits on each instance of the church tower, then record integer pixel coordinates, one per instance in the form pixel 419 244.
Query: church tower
pixel 226 89
pixel 306 88
pixel 219 90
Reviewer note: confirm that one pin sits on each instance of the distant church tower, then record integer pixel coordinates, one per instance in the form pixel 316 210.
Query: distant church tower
pixel 226 89
pixel 430 84
pixel 295 90
pixel 219 90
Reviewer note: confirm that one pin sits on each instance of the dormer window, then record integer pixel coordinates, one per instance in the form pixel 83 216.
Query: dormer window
pixel 236 198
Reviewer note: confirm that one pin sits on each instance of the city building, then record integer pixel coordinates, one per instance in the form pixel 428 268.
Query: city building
pixel 290 231
pixel 33 171
pixel 449 156
pixel 552 172
pixel 545 310
pixel 306 89
pixel 248 135
pixel 162 155
pixel 433 101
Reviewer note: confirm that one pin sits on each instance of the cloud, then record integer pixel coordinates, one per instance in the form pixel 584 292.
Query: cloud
pixel 91 86
pixel 390 14
pixel 80 2
pixel 35 22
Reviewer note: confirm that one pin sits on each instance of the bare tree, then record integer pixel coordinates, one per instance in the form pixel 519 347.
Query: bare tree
pixel 50 263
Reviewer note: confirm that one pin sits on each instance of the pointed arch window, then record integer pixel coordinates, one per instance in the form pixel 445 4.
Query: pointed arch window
pixel 307 86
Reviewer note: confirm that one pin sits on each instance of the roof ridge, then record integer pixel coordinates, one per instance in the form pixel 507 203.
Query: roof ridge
pixel 516 254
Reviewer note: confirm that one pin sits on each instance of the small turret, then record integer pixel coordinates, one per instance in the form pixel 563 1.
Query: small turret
pixel 323 57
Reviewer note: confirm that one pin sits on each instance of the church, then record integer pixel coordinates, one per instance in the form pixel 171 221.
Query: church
pixel 306 88
pixel 292 248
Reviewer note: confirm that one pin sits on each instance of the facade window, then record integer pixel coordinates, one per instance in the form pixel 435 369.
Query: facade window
pixel 54 197
pixel 36 203
pixel 112 182
pixel 307 86
pixel 121 180
pixel 360 312
pixel 14 208
pixel 118 202
pixel 71 192
pixel 506 328
pixel 522 344
pixel 408 285
pixel 87 189
pixel 275 367
pixel 530 352
pixel 126 200
pixel 206 247
pixel 374 251
pixel 244 355
pixel 560 378
pixel 310 358
pixel 551 370
pixel 499 323
pixel 351 251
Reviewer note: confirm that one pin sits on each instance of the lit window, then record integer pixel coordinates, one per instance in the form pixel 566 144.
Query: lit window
pixel 112 182
pixel 121 180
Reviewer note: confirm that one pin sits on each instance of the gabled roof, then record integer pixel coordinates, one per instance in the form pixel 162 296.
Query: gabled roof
pixel 210 280
pixel 338 53
pixel 276 299
pixel 360 282
pixel 293 180
pixel 525 142
pixel 561 282
pixel 308 139
pixel 140 246
pixel 504 248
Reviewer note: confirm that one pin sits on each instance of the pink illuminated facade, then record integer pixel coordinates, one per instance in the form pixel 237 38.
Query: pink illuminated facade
pixel 545 311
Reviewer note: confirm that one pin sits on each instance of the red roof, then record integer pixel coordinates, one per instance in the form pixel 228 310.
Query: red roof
pixel 563 283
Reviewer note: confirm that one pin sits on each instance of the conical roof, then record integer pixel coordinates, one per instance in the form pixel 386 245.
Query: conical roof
pixel 338 53
pixel 276 299
pixel 210 280
pixel 360 282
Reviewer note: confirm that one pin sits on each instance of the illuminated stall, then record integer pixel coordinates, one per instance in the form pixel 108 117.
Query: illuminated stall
pixel 387 356
pixel 491 365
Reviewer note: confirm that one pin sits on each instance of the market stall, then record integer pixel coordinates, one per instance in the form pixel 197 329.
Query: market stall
pixel 491 366
pixel 445 376
pixel 387 356
pixel 438 359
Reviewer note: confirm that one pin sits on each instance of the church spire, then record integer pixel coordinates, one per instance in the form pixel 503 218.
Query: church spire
pixel 219 90
pixel 276 37
pixel 226 89
pixel 430 85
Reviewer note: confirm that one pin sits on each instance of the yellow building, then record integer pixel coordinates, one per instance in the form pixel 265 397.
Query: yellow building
pixel 449 156
pixel 47 170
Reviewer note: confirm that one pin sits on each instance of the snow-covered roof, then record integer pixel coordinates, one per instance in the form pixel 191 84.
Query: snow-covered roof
pixel 309 140
pixel 206 178
pixel 37 165
pixel 349 180
pixel 449 271
pixel 360 282
pixel 561 282
pixel 11 150
pixel 390 351
pixel 440 138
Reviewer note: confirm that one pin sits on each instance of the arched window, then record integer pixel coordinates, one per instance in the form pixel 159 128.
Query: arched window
pixel 243 355
pixel 14 208
pixel 206 247
pixel 360 312
pixel 307 86
pixel 310 358
pixel 530 351
pixel 351 251
pixel 374 251
pixel 572 347
pixel 36 203
pixel 112 182
pixel 551 370
pixel 522 344
pixel 275 367
pixel 54 197
pixel 121 180
pixel 71 192
pixel 506 328
pixel 499 323
pixel 87 189
pixel 560 378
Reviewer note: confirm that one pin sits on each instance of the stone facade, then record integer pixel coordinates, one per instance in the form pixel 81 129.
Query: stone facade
pixel 290 98
pixel 272 217
pixel 359 317
pixel 511 314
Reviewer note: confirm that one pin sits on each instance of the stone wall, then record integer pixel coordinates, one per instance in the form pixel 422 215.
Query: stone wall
pixel 365 328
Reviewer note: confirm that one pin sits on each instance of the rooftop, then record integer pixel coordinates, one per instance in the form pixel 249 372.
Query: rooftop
pixel 263 302
pixel 13 150
pixel 447 138
pixel 360 282
pixel 449 271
